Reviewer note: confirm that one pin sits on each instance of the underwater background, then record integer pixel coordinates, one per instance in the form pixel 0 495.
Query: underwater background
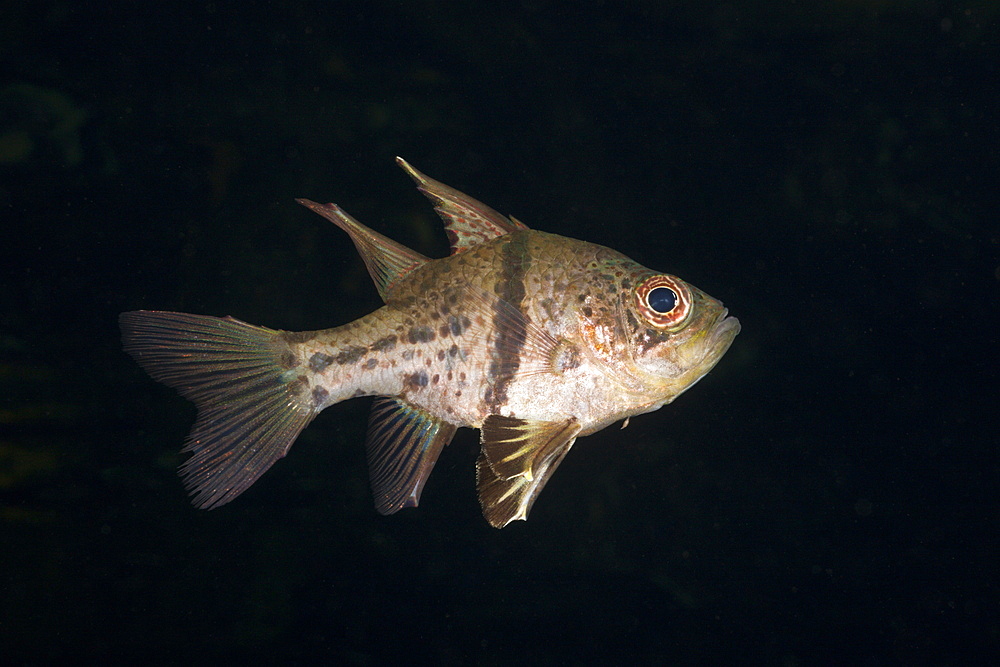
pixel 827 495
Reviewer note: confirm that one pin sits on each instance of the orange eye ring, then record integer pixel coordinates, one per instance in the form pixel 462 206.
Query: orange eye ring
pixel 664 301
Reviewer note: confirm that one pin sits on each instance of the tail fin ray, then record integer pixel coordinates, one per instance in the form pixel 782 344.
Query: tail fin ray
pixel 250 407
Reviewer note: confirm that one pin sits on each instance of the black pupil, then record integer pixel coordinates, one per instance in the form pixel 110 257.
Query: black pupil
pixel 662 300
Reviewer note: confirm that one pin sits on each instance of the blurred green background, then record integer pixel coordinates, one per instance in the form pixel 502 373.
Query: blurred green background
pixel 827 495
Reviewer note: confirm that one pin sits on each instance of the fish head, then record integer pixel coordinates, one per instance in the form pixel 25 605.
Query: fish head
pixel 676 333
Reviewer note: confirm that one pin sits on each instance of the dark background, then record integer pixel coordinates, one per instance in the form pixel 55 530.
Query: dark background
pixel 827 495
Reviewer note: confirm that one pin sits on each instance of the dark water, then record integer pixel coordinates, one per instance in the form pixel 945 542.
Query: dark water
pixel 827 495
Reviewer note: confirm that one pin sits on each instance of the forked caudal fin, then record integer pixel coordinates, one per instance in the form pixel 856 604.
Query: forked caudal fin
pixel 250 410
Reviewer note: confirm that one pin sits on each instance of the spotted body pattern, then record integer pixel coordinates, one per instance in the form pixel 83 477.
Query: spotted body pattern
pixel 535 339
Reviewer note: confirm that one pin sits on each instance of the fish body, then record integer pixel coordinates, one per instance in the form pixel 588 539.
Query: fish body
pixel 533 338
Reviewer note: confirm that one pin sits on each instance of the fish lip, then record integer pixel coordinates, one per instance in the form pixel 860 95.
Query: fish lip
pixel 724 332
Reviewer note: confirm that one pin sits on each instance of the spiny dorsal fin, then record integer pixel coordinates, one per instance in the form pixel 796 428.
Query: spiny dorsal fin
pixel 250 409
pixel 467 222
pixel 387 260
pixel 518 456
pixel 403 445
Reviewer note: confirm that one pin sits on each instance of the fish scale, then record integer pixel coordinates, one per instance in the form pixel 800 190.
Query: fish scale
pixel 425 360
pixel 535 339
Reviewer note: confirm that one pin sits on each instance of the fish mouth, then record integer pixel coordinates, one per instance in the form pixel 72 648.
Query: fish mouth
pixel 722 336
pixel 726 327
pixel 701 355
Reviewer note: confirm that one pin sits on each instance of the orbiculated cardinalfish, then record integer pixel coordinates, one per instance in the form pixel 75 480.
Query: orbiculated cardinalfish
pixel 533 338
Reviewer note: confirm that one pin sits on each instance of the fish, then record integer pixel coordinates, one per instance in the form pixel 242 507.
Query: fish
pixel 535 339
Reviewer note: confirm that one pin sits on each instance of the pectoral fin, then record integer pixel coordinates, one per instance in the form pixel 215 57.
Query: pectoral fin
pixel 403 445
pixel 518 456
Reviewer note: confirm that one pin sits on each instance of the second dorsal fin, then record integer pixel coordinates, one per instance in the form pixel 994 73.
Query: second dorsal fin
pixel 387 260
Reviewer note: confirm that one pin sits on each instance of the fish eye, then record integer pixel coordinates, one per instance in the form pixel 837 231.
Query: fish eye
pixel 664 301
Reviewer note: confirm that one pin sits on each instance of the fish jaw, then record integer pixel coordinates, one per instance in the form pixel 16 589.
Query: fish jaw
pixel 673 363
pixel 712 346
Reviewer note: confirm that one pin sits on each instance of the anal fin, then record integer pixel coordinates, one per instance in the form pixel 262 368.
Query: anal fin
pixel 517 458
pixel 403 445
